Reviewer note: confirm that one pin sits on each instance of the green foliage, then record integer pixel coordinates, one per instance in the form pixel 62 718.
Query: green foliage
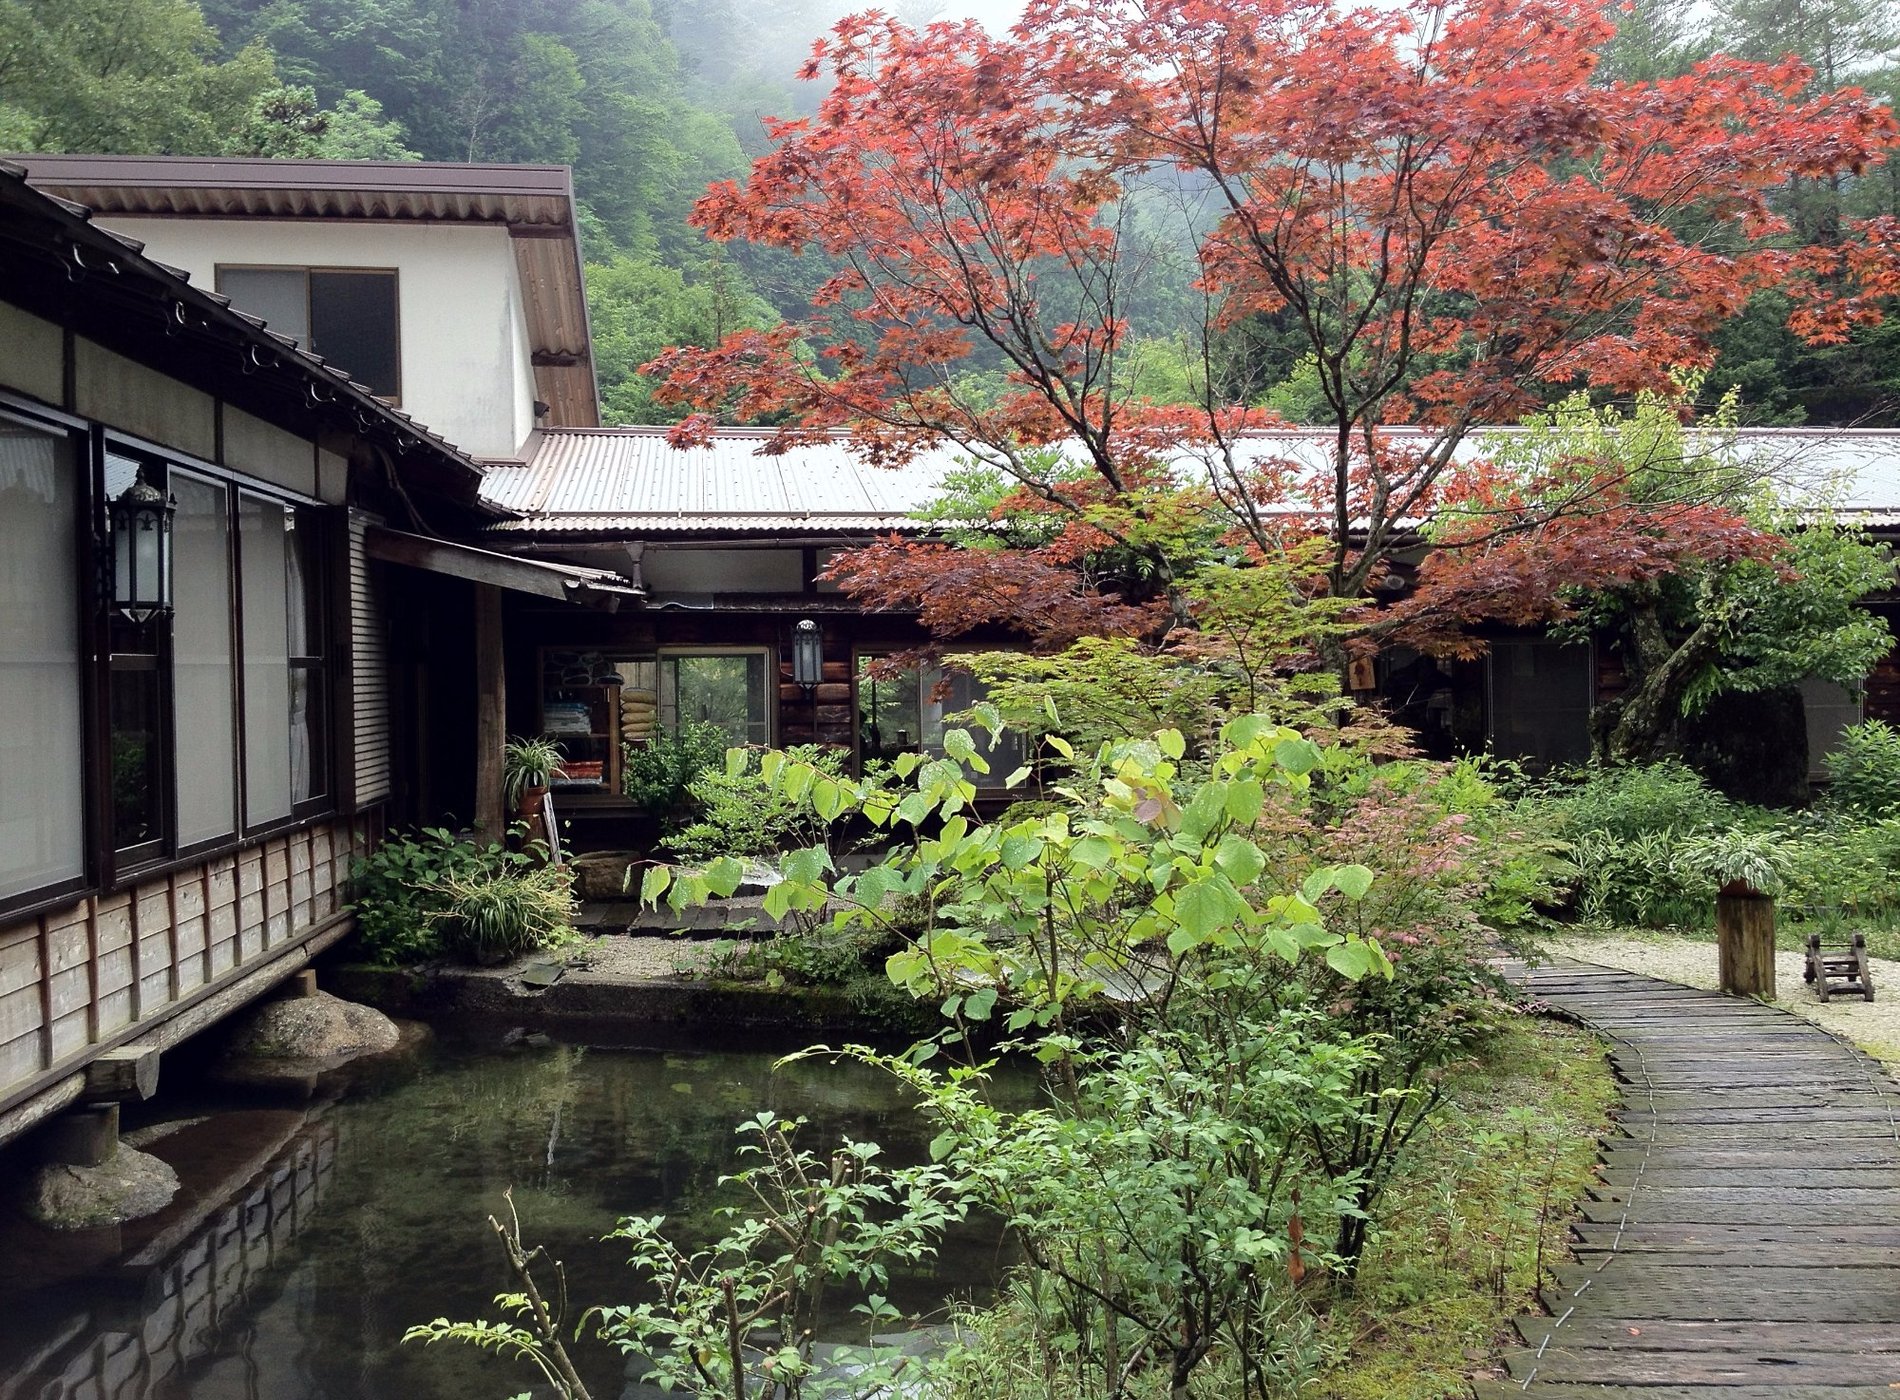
pixel 1632 800
pixel 397 890
pixel 739 813
pixel 1863 771
pixel 1800 616
pixel 638 307
pixel 1476 1219
pixel 1252 651
pixel 1755 860
pixel 741 1314
pixel 136 77
pixel 494 915
pixel 658 776
pixel 418 896
pixel 286 123
pixel 1650 845
pixel 527 763
pixel 1166 1231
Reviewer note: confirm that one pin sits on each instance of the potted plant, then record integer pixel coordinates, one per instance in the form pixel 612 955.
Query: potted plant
pixel 527 766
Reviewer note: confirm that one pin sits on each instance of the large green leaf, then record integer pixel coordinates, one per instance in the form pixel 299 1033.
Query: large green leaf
pixel 1239 859
pixel 1205 906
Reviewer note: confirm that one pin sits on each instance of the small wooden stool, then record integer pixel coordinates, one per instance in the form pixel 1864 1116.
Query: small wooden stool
pixel 1841 967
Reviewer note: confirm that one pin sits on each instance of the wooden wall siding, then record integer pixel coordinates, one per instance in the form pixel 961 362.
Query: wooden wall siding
pixel 1883 691
pixel 369 671
pixel 829 706
pixel 174 1319
pixel 106 963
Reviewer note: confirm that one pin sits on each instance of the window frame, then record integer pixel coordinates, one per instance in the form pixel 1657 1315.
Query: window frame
pixel 80 435
pixel 993 781
pixel 224 840
pixel 768 697
pixel 393 273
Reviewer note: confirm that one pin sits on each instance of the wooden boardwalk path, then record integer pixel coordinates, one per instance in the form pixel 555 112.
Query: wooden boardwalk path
pixel 1744 1240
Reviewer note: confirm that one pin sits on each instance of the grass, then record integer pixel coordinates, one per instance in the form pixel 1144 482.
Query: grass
pixel 1476 1221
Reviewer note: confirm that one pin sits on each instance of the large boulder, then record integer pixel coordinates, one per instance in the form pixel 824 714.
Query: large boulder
pixel 127 1185
pixel 318 1027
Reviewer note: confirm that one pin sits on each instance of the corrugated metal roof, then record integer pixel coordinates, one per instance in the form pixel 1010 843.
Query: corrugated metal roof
pixel 630 481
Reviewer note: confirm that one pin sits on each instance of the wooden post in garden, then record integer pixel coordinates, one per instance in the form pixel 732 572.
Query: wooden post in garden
pixel 491 717
pixel 1745 941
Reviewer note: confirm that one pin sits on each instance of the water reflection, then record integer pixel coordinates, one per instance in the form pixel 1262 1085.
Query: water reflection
pixel 306 1239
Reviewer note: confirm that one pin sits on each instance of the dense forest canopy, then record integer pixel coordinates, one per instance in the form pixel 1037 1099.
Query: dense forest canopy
pixel 650 100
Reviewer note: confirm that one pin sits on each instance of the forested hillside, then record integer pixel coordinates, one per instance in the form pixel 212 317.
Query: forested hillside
pixel 649 100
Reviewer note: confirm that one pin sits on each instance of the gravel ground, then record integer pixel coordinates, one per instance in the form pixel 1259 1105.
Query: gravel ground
pixel 1872 1025
pixel 643 957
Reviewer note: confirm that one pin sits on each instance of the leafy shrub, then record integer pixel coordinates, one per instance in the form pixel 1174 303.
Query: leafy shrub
pixel 495 913
pixel 1633 880
pixel 1451 847
pixel 1635 800
pixel 740 814
pixel 658 776
pixel 1864 770
pixel 419 896
pixel 1838 863
pixel 399 892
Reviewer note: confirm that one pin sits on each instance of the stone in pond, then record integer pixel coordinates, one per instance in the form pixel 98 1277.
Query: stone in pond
pixel 126 1186
pixel 318 1027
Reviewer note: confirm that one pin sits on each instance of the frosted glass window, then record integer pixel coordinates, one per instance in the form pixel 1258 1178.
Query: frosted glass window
pixel 262 529
pixel 281 295
pixel 304 600
pixel 1828 709
pixel 202 678
pixel 42 819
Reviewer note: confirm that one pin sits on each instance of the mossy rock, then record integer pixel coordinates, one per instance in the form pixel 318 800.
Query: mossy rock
pixel 128 1185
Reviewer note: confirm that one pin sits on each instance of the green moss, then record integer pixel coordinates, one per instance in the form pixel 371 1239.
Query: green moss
pixel 1477 1220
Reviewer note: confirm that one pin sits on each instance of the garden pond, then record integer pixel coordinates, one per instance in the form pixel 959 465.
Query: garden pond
pixel 311 1232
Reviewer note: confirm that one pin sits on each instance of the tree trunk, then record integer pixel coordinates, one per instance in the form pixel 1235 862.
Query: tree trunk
pixel 1642 725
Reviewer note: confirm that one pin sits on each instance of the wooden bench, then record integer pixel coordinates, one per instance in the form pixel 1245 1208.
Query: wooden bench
pixel 1839 967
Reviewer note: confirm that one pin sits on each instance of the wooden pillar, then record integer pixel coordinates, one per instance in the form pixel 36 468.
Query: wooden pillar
pixel 491 716
pixel 1745 942
pixel 82 1137
pixel 125 1073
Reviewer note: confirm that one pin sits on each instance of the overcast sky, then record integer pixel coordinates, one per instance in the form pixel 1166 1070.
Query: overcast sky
pixel 997 15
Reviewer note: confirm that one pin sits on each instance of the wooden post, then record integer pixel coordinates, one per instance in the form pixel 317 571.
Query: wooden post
pixel 1745 941
pixel 82 1137
pixel 127 1072
pixel 491 718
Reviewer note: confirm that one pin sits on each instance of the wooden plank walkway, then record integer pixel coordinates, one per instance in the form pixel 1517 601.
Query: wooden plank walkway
pixel 1744 1240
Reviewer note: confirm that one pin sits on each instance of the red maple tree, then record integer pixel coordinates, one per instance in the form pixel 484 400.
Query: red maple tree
pixel 1460 224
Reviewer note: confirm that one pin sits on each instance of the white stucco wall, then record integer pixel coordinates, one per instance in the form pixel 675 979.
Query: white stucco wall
pixel 465 353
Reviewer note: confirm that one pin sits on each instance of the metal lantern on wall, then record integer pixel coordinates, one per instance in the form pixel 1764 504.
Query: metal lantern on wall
pixel 808 654
pixel 141 518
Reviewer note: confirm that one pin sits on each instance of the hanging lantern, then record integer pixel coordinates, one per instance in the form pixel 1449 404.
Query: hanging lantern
pixel 141 517
pixel 808 654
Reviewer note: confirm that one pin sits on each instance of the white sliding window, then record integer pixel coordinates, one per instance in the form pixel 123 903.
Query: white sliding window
pixel 42 775
pixel 203 683
pixel 263 530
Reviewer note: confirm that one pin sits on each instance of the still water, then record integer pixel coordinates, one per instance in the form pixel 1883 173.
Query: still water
pixel 309 1234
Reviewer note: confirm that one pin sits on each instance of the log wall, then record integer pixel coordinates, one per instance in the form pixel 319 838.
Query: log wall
pixel 108 968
